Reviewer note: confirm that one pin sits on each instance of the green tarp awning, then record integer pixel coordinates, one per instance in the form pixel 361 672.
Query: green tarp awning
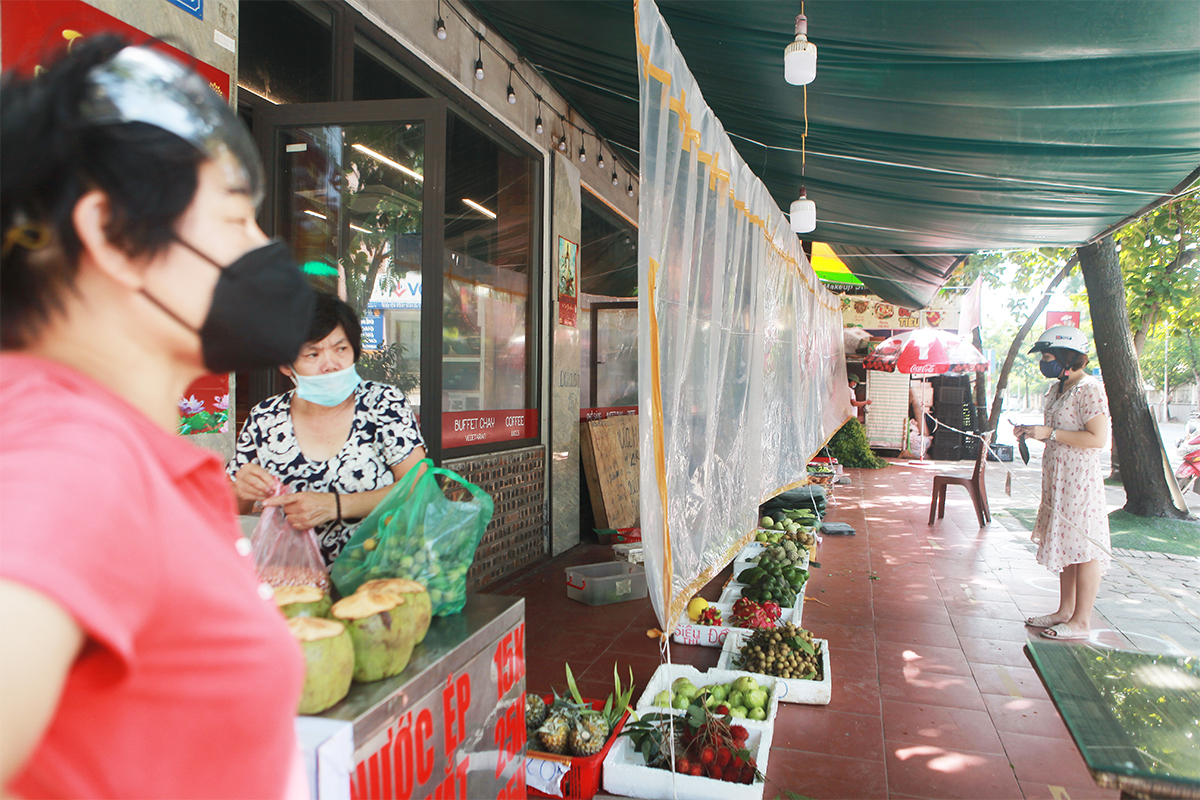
pixel 937 128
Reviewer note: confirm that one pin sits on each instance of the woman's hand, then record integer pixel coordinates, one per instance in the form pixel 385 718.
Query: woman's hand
pixel 1039 432
pixel 306 510
pixel 253 484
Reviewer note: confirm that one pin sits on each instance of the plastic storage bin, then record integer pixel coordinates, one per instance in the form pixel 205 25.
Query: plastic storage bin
pixel 610 582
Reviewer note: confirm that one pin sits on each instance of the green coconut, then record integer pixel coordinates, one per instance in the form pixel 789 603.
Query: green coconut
pixel 328 662
pixel 302 601
pixel 415 597
pixel 382 631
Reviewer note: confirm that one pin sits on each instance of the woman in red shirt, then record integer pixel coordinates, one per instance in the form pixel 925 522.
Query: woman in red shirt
pixel 141 656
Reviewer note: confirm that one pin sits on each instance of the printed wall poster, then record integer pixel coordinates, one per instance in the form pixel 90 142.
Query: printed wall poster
pixel 568 294
pixel 205 406
pixel 1070 318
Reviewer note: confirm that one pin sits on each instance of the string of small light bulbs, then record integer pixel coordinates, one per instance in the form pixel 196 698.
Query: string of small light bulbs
pixel 539 126
pixel 799 69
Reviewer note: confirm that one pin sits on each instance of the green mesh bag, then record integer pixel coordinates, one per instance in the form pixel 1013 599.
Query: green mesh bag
pixel 425 530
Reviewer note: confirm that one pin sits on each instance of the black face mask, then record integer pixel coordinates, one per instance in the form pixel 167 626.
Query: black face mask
pixel 260 314
pixel 1051 368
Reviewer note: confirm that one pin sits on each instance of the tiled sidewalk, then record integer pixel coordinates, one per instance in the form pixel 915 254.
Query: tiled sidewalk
pixel 932 694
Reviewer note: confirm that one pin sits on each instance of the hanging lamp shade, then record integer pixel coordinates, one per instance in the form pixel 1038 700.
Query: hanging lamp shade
pixel 803 213
pixel 800 57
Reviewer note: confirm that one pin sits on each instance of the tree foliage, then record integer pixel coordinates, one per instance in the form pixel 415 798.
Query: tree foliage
pixel 1160 268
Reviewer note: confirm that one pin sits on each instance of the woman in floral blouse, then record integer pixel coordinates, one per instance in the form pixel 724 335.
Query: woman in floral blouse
pixel 337 441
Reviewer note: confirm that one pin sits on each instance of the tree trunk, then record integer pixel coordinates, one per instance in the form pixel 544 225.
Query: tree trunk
pixel 1015 348
pixel 1135 433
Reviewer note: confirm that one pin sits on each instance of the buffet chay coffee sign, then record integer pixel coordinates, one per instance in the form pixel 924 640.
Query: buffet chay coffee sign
pixel 463 741
pixel 464 428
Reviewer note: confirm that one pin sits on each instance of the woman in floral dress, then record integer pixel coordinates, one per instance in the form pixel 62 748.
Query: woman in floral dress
pixel 1072 522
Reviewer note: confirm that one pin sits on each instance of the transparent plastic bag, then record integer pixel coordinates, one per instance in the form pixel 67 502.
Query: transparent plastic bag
pixel 420 533
pixel 284 556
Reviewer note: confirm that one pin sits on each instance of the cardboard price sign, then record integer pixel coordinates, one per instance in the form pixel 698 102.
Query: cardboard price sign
pixel 464 741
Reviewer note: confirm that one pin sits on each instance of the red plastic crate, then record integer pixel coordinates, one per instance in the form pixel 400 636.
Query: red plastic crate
pixel 583 780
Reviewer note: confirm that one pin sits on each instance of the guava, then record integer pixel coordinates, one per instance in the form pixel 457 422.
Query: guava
pixel 663 699
pixel 767 522
pixel 756 699
pixel 681 701
pixel 738 712
pixel 718 692
pixel 735 698
pixel 756 713
pixel 679 683
pixel 745 684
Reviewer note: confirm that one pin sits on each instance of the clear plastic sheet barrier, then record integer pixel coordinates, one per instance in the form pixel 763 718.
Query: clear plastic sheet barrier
pixel 742 376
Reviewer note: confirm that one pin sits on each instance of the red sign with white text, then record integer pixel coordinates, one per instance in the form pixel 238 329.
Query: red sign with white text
pixel 592 414
pixel 1068 318
pixel 30 33
pixel 465 428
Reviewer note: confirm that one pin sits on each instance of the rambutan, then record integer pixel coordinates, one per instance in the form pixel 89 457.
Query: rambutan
pixel 739 734
pixel 697 771
pixel 723 757
pixel 682 765
pixel 708 756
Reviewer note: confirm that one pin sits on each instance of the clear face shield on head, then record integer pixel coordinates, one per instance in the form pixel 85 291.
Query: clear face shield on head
pixel 261 305
pixel 140 84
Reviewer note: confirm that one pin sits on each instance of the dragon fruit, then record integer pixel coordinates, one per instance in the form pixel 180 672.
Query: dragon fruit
pixel 749 614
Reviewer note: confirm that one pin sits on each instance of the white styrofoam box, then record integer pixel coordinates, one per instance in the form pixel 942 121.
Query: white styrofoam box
pixel 714 635
pixel 626 774
pixel 666 674
pixel 733 591
pixel 791 690
pixel 749 551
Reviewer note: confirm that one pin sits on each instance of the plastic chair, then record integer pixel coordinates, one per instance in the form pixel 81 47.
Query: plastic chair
pixel 974 485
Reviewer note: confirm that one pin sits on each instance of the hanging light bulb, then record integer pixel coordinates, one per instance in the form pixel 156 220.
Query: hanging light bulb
pixel 629 188
pixel 1147 242
pixel 538 126
pixel 479 62
pixel 562 143
pixel 582 154
pixel 800 57
pixel 600 158
pixel 512 96
pixel 616 180
pixel 804 213
pixel 440 28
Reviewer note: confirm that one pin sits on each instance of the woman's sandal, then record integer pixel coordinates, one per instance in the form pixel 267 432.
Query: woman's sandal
pixel 1063 633
pixel 1044 621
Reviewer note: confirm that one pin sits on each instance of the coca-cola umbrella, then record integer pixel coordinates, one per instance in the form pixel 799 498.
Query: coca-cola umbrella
pixel 926 351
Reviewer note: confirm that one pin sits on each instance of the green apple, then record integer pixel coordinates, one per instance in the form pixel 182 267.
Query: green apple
pixel 745 684
pixel 756 699
pixel 663 699
pixel 757 713
pixel 738 712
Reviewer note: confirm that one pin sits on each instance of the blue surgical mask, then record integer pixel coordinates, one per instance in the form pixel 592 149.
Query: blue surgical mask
pixel 1051 368
pixel 330 389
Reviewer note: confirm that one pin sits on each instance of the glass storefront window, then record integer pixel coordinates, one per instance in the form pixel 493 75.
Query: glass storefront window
pixel 351 208
pixel 378 76
pixel 490 252
pixel 286 51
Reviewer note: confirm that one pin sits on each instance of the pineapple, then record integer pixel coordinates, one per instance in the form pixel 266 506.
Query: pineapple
pixel 588 736
pixel 552 735
pixel 535 711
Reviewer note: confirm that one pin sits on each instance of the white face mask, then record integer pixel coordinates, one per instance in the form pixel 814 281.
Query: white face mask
pixel 330 389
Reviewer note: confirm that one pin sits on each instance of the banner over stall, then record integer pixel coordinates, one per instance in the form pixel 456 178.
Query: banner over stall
pixel 743 378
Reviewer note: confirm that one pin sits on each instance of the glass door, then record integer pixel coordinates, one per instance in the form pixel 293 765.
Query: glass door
pixel 354 190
